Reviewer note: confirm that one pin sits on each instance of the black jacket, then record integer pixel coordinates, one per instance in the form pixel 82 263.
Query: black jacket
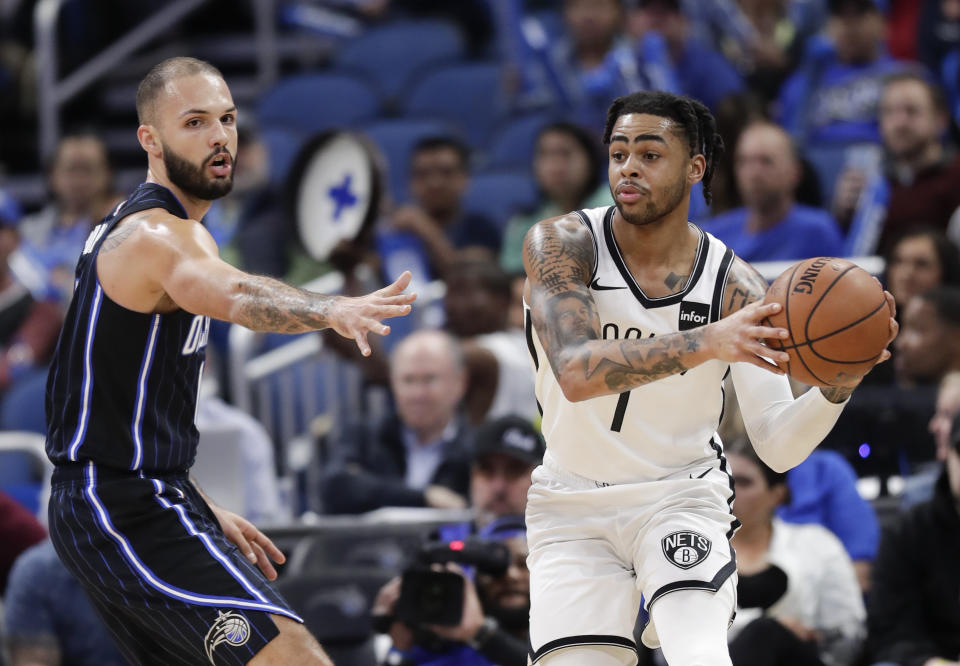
pixel 914 606
pixel 368 467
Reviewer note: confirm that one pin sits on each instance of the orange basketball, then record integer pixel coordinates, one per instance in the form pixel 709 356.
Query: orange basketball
pixel 837 317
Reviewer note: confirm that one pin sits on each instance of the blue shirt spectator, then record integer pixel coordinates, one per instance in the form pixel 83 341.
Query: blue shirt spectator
pixel 772 225
pixel 48 612
pixel 700 70
pixel 823 490
pixel 833 97
pixel 804 232
pixel 592 63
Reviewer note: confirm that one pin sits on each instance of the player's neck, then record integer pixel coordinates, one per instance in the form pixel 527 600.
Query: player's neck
pixel 194 207
pixel 663 242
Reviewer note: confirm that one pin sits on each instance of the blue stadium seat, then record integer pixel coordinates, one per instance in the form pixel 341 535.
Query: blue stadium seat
pixel 312 103
pixel 23 404
pixel 500 194
pixel 24 468
pixel 512 145
pixel 283 146
pixel 389 55
pixel 396 139
pixel 470 96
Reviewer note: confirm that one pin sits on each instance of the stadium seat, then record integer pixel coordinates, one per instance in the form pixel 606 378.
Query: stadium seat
pixel 470 96
pixel 501 194
pixel 24 468
pixel 23 404
pixel 336 609
pixel 513 143
pixel 396 139
pixel 313 103
pixel 389 55
pixel 283 146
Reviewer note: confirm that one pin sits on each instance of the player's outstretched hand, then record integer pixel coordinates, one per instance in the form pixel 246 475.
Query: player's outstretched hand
pixel 254 544
pixel 355 317
pixel 894 326
pixel 737 338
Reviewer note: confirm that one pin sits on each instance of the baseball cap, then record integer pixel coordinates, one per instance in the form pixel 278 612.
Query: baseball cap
pixel 511 435
pixel 860 6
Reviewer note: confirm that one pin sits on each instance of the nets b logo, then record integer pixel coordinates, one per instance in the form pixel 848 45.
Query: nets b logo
pixel 693 315
pixel 686 549
pixel 230 628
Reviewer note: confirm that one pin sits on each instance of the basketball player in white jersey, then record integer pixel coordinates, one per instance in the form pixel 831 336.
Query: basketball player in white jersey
pixel 634 317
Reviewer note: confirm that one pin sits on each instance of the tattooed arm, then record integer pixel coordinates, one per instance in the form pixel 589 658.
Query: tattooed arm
pixel 157 262
pixel 559 260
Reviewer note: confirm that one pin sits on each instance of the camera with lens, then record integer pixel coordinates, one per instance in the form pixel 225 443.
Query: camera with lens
pixel 429 595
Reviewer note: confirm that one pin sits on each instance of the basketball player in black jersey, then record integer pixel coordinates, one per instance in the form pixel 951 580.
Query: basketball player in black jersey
pixel 175 577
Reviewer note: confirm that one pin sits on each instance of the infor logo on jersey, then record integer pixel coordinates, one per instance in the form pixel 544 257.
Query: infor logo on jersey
pixel 686 549
pixel 693 315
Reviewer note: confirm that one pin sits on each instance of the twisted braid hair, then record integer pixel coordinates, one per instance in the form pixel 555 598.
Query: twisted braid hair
pixel 689 115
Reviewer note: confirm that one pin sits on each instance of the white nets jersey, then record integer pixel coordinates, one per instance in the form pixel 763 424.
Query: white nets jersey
pixel 661 428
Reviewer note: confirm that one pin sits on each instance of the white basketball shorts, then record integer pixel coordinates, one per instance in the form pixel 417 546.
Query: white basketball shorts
pixel 595 548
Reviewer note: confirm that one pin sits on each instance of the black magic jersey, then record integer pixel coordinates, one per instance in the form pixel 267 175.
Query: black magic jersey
pixel 122 388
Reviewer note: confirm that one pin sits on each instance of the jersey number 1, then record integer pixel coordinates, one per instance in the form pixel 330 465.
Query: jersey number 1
pixel 620 411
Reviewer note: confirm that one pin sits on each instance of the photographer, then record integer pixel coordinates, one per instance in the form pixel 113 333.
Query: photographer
pixel 493 614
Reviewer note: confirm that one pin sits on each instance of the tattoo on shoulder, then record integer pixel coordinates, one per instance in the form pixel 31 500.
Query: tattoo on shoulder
pixel 119 234
pixel 744 286
pixel 556 256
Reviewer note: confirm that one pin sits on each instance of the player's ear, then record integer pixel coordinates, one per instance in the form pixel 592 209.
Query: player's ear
pixel 696 168
pixel 149 140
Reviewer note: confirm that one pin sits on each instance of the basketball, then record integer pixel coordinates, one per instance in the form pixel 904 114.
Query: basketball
pixel 837 317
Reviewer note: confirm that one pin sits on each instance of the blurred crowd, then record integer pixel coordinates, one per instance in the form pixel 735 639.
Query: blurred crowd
pixel 840 120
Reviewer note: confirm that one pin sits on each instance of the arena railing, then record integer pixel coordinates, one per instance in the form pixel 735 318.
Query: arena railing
pixel 53 92
pixel 300 389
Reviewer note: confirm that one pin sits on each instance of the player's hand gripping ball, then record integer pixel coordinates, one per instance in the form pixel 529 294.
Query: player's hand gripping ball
pixel 838 319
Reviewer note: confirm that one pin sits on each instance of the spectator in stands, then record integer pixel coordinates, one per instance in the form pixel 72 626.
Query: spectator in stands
pixel 938 32
pixel 700 71
pixel 772 225
pixel 928 346
pixel 566 167
pixel 82 194
pixel 798 598
pixel 823 490
pixel 779 34
pixel 829 105
pixel 418 457
pixel 918 183
pixel 477 305
pixel 914 608
pixel 921 259
pixel 505 452
pixel 439 176
pixel 18 531
pixel 494 624
pixel 28 327
pixel 918 486
pixel 594 61
pixel 49 619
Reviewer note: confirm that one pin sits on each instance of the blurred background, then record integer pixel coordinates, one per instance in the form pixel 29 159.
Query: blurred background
pixel 470 121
